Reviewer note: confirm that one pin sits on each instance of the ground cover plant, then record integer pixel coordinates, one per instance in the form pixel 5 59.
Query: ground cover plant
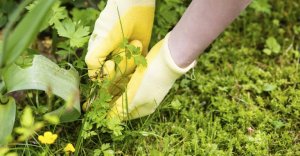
pixel 242 98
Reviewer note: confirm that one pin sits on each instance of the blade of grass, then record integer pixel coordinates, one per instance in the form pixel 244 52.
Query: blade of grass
pixel 12 20
pixel 7 118
pixel 25 32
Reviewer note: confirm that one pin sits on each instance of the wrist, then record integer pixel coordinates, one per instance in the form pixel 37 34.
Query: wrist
pixel 180 62
pixel 182 50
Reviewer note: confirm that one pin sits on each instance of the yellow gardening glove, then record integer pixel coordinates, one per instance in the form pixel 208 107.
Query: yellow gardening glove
pixel 148 85
pixel 129 19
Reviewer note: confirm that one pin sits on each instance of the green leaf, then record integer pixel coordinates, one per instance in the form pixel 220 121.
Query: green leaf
pixel 25 32
pixel 261 6
pixel 176 104
pixel 65 28
pixel 273 45
pixel 77 33
pixel 46 75
pixel 278 124
pixel 32 5
pixel 267 51
pixel 134 50
pixel 105 147
pixel 114 124
pixel 117 59
pixel 27 119
pixel 140 60
pixel 86 16
pixel 4 150
pixel 7 119
pixel 269 87
pixel 53 119
pixel 28 125
pixel 108 153
pixel 58 13
pixel 97 152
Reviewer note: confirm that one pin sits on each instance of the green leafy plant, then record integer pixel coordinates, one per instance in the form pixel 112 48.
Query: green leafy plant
pixel 76 33
pixel 23 34
pixel 28 125
pixel 35 76
pixel 272 46
pixel 261 6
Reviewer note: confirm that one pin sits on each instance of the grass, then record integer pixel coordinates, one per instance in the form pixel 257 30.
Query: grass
pixel 242 98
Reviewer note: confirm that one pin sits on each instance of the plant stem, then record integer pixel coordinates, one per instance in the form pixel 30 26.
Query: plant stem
pixel 79 138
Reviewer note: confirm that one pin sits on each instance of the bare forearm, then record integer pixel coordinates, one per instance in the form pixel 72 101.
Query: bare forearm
pixel 202 23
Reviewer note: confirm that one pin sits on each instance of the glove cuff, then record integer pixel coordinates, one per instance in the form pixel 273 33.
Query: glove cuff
pixel 170 62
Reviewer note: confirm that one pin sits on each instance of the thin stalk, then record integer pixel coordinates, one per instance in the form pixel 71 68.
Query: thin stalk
pixel 49 101
pixel 54 41
pixel 2 85
pixel 120 22
pixel 79 138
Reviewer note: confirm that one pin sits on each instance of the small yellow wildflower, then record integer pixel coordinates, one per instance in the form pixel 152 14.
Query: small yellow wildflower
pixel 47 138
pixel 69 148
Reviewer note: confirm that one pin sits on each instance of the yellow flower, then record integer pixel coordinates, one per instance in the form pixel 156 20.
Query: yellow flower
pixel 69 148
pixel 47 138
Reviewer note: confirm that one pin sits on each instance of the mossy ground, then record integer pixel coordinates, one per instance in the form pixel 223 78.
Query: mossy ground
pixel 239 100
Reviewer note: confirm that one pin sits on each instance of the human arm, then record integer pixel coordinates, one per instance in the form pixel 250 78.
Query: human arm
pixel 200 25
pixel 172 57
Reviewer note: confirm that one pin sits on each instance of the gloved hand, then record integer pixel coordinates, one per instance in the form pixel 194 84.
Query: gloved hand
pixel 129 19
pixel 148 85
